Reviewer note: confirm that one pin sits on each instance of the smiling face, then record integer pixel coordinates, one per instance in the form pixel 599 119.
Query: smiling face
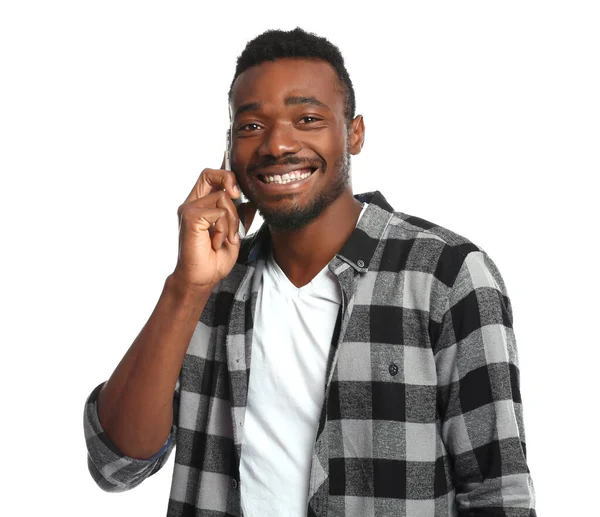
pixel 290 143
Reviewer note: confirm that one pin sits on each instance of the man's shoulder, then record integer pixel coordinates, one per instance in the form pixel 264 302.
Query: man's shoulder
pixel 407 226
pixel 420 246
pixel 404 226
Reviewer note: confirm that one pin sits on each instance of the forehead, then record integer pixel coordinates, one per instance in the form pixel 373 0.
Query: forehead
pixel 273 81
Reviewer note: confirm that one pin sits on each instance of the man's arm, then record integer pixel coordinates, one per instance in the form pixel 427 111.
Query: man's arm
pixel 141 397
pixel 135 404
pixel 128 421
pixel 479 395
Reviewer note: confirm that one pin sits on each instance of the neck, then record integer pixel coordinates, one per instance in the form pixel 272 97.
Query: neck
pixel 301 254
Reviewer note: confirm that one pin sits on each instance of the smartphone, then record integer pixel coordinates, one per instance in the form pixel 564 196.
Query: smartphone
pixel 241 199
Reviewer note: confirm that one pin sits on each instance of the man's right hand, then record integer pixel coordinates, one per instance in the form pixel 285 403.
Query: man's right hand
pixel 208 229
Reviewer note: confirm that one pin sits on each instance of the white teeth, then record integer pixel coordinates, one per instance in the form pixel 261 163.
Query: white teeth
pixel 288 177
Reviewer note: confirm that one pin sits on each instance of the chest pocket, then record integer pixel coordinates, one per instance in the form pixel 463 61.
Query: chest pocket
pixel 380 374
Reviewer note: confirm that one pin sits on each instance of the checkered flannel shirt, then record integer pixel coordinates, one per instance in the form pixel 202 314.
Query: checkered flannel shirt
pixel 422 414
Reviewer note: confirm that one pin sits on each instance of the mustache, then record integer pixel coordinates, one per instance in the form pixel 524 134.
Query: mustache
pixel 290 160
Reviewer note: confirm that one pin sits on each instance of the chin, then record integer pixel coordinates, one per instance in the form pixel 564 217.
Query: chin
pixel 289 220
pixel 297 217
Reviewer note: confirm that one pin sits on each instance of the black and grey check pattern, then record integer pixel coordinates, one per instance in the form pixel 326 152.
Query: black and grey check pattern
pixel 422 414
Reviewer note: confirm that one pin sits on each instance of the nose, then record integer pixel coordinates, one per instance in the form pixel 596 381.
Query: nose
pixel 279 139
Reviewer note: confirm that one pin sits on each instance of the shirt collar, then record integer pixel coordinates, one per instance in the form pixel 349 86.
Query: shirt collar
pixel 358 249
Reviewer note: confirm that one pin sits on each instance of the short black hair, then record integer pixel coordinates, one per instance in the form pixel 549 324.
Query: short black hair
pixel 277 44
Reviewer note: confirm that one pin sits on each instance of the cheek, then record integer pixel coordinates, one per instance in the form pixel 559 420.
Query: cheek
pixel 326 140
pixel 243 181
pixel 331 149
pixel 239 160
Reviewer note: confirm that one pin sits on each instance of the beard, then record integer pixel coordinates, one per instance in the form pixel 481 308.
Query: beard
pixel 297 217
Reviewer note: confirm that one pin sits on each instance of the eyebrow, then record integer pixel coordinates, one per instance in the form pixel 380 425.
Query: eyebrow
pixel 289 101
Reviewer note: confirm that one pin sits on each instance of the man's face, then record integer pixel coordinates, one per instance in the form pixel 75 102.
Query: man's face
pixel 290 143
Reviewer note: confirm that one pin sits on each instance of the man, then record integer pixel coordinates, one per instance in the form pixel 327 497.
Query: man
pixel 344 360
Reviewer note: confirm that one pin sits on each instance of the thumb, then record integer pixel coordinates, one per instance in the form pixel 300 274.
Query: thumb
pixel 247 211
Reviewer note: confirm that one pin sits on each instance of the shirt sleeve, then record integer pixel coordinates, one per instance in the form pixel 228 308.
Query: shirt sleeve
pixel 479 398
pixel 112 470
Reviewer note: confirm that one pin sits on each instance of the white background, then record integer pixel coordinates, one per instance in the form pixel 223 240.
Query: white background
pixel 480 116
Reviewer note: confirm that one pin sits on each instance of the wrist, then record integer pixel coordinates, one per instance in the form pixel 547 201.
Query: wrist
pixel 185 293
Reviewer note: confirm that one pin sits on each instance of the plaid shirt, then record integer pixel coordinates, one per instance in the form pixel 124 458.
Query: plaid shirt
pixel 422 414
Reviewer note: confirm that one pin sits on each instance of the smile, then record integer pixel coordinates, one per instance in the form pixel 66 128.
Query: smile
pixel 288 177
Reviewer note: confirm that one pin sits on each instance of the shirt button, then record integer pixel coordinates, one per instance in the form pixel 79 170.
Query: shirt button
pixel 233 483
pixel 393 369
pixel 360 263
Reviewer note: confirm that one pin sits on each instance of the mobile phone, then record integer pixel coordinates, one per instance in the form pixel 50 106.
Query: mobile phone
pixel 241 199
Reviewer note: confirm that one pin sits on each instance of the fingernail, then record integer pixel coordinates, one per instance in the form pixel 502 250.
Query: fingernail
pixel 236 238
pixel 236 189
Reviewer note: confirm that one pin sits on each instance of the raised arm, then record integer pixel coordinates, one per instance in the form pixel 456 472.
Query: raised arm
pixel 134 407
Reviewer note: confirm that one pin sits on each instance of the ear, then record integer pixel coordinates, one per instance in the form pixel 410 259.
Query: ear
pixel 356 134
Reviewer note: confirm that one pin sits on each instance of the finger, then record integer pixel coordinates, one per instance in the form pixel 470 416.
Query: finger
pixel 222 180
pixel 208 201
pixel 203 219
pixel 204 186
pixel 219 200
pixel 213 221
pixel 227 204
pixel 213 180
pixel 221 230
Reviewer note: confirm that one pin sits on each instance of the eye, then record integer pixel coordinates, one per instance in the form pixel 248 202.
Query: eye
pixel 249 127
pixel 309 119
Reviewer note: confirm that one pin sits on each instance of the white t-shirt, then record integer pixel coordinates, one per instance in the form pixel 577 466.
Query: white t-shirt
pixel 292 336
